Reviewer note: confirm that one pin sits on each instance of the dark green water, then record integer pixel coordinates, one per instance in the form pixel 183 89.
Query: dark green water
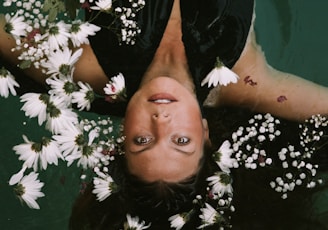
pixel 294 37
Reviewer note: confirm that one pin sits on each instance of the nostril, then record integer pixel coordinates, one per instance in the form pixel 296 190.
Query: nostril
pixel 160 116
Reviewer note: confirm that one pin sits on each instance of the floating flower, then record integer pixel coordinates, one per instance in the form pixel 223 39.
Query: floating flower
pixel 63 87
pixel 178 221
pixel 104 186
pixel 133 223
pixel 209 216
pixel 38 154
pixel 70 140
pixel 59 117
pixel 223 157
pixel 16 25
pixel 61 62
pixel 35 105
pixel 84 97
pixel 221 183
pixel 50 152
pixel 7 83
pixel 220 75
pixel 57 35
pixel 88 157
pixel 102 5
pixel 28 189
pixel 80 32
pixel 115 89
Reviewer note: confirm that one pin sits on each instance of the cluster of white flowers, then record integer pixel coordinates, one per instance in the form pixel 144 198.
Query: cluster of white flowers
pixel 73 139
pixel 250 150
pixel 36 35
pixel 248 141
pixel 129 26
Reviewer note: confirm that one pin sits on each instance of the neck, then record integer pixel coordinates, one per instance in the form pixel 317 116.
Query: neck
pixel 170 58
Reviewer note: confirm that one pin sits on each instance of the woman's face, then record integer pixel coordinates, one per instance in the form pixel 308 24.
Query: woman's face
pixel 165 132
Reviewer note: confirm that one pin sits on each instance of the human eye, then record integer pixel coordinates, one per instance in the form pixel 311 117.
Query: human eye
pixel 181 140
pixel 142 140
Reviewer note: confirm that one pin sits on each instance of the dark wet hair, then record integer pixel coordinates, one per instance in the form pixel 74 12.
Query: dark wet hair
pixel 152 202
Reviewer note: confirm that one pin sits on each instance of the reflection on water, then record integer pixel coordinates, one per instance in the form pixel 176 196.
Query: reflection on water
pixel 293 36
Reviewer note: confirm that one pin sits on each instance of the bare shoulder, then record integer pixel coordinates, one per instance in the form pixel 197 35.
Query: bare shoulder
pixel 87 69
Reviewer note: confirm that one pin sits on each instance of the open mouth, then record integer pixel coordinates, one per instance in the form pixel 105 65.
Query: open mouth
pixel 162 98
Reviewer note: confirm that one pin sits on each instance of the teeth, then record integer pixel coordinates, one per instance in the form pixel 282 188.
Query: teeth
pixel 162 101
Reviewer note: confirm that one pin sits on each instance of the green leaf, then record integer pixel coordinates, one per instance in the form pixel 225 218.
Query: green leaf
pixel 52 14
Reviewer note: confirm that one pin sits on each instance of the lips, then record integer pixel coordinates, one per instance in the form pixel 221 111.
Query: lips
pixel 162 98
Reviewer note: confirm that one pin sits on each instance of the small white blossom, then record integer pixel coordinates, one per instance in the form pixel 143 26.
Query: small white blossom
pixel 133 223
pixel 177 221
pixel 35 106
pixel 61 62
pixel 16 25
pixel 84 97
pixel 38 154
pixel 209 216
pixel 80 32
pixel 28 190
pixel 7 83
pixel 57 35
pixel 220 75
pixel 59 118
pixel 70 140
pixel 221 183
pixel 115 89
pixel 223 157
pixel 104 186
pixel 63 87
pixel 102 5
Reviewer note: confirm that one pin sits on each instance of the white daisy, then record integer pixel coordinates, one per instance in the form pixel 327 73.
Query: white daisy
pixel 102 5
pixel 88 156
pixel 16 25
pixel 50 153
pixel 80 32
pixel 35 106
pixel 7 83
pixel 178 221
pixel 61 62
pixel 60 119
pixel 38 154
pixel 116 87
pixel 71 140
pixel 221 183
pixel 104 186
pixel 133 223
pixel 223 157
pixel 57 35
pixel 63 87
pixel 28 190
pixel 84 97
pixel 29 152
pixel 220 75
pixel 209 216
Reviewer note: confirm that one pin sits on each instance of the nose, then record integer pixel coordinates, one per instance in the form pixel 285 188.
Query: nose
pixel 161 117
